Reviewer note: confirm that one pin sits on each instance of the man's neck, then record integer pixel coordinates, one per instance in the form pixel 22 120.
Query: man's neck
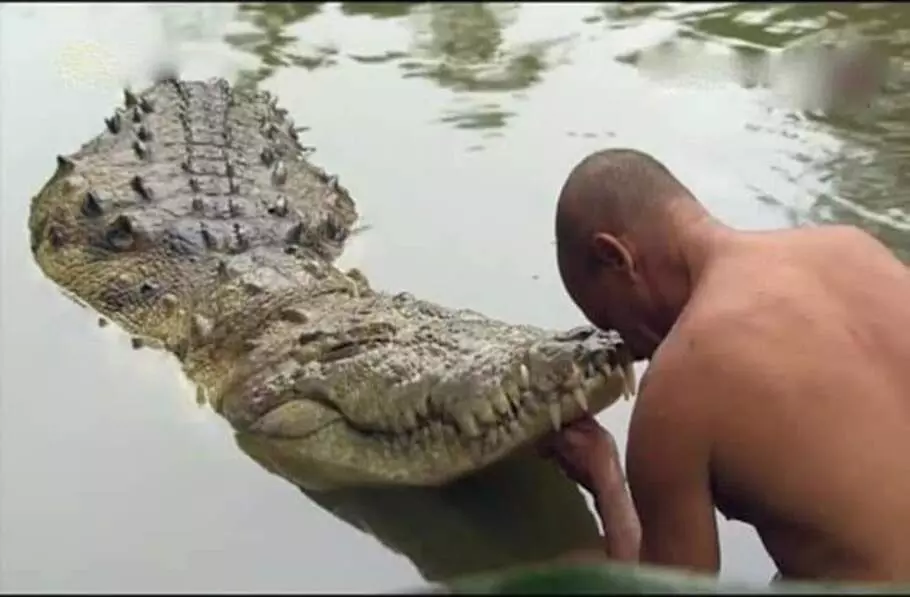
pixel 693 240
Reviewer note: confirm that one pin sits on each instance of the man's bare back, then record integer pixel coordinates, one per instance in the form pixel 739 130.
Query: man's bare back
pixel 778 389
pixel 809 433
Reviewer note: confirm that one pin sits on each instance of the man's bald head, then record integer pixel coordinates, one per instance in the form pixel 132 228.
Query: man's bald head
pixel 612 191
pixel 615 242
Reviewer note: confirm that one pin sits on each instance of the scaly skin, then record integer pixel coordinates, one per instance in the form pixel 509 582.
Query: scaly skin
pixel 195 222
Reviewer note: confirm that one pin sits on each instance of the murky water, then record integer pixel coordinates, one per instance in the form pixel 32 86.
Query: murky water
pixel 454 127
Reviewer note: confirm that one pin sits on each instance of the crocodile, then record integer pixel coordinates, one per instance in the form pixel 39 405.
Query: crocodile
pixel 198 223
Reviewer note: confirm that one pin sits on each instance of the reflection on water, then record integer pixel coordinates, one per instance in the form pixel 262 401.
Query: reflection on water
pixel 461 47
pixel 397 96
pixel 867 110
pixel 378 10
pixel 457 46
pixel 521 510
pixel 271 42
pixel 464 48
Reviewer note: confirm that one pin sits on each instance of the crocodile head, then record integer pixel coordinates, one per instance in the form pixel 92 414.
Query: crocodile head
pixel 196 222
pixel 322 430
pixel 224 254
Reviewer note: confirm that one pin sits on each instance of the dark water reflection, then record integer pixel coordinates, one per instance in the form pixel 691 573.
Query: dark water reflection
pixel 269 40
pixel 866 176
pixel 456 46
pixel 453 125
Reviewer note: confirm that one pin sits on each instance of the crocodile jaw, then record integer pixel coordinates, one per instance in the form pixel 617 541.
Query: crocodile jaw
pixel 551 383
pixel 225 259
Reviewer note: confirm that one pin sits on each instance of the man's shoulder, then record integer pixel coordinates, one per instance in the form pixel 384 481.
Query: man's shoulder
pixel 711 349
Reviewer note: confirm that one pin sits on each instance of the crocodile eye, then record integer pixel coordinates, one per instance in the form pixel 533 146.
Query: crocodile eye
pixel 120 235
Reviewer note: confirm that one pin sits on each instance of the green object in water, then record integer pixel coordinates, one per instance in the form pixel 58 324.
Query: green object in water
pixel 610 578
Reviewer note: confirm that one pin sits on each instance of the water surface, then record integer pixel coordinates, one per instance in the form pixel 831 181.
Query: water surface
pixel 453 126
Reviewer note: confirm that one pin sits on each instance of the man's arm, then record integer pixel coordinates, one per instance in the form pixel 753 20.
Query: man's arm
pixel 622 531
pixel 587 453
pixel 668 465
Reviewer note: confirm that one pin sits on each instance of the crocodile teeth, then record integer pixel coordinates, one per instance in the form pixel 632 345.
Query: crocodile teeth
pixel 422 405
pixel 409 418
pixel 618 370
pixel 467 424
pixel 484 413
pixel 524 377
pixel 591 370
pixel 555 416
pixel 576 375
pixel 501 402
pixel 580 398
pixel 629 375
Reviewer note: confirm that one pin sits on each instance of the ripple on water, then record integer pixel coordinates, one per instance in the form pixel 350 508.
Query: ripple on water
pixel 453 125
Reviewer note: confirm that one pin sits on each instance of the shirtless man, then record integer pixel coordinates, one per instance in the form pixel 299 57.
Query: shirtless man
pixel 778 388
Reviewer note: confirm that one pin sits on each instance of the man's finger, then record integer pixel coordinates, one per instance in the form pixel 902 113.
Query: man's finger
pixel 586 423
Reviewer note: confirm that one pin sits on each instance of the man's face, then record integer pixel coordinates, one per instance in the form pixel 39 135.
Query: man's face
pixel 602 295
pixel 609 299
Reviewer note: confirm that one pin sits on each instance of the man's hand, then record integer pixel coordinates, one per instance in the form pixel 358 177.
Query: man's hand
pixel 587 453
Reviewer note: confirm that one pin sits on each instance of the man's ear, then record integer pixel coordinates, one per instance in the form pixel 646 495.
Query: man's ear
pixel 611 253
